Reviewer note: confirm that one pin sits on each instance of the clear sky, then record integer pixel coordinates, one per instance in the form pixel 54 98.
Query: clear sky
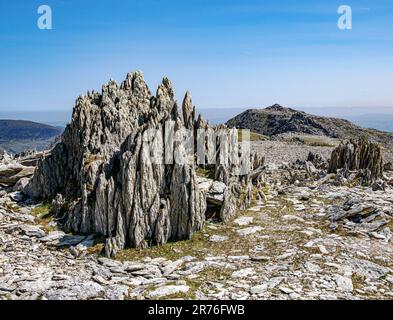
pixel 241 53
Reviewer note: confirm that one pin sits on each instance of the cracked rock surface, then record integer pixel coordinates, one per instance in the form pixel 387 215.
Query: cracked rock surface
pixel 315 239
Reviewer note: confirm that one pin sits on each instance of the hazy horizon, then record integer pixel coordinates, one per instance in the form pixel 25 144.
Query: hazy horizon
pixel 380 118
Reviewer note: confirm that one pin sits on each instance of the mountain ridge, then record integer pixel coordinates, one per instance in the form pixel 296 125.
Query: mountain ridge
pixel 21 135
pixel 277 120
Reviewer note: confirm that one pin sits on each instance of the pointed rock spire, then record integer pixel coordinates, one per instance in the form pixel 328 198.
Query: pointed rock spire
pixel 188 111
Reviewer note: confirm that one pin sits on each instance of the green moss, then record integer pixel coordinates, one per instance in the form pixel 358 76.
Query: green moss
pixel 42 211
pixel 206 171
pixel 253 136
pixel 316 142
pixel 43 214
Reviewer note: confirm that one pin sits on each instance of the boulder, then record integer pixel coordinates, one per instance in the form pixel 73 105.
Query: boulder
pixel 361 155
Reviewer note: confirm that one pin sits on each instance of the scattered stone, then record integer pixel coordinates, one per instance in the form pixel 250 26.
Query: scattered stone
pixel 53 236
pixel 368 269
pixel 243 221
pixel 344 283
pixel 285 290
pixel 243 273
pixel 260 289
pixel 109 262
pixel 130 266
pixel 285 255
pixel 68 241
pixel 171 267
pixel 32 231
pixel 289 217
pixel 248 231
pixel 167 291
pixel 216 238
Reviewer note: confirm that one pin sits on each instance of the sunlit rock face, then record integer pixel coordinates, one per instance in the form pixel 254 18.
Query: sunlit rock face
pixel 104 179
pixel 103 182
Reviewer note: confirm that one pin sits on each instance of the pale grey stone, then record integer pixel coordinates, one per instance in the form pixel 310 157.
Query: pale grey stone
pixel 243 221
pixel 249 231
pixel 344 283
pixel 243 273
pixel 216 238
pixel 168 290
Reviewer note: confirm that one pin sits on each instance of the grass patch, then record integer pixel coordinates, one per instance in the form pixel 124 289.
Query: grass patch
pixel 316 142
pixel 206 171
pixel 253 136
pixel 89 159
pixel 43 215
pixel 42 211
pixel 357 281
pixel 11 206
pixel 197 246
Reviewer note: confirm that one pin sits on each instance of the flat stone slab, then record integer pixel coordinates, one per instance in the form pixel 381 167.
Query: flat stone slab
pixel 248 231
pixel 368 269
pixel 290 217
pixel 53 236
pixel 68 241
pixel 32 231
pixel 344 283
pixel 216 238
pixel 244 221
pixel 168 290
pixel 243 273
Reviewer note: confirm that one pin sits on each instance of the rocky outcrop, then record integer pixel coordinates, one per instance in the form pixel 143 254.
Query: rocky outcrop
pixel 278 120
pixel 188 111
pixel 15 171
pixel 104 170
pixel 360 155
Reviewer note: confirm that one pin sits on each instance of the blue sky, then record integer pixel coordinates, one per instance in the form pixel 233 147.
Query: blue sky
pixel 229 54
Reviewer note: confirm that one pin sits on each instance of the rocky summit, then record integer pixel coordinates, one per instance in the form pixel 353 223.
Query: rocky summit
pixel 277 120
pixel 96 218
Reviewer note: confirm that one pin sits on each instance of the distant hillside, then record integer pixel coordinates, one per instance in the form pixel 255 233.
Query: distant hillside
pixel 19 135
pixel 276 120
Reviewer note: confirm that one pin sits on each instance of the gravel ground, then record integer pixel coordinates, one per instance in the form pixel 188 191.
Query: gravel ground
pixel 276 151
pixel 283 247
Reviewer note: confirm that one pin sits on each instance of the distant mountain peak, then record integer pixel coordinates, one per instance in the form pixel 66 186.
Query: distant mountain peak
pixel 276 120
pixel 276 106
pixel 279 108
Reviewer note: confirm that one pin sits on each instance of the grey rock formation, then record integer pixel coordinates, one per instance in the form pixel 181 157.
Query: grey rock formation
pixel 111 186
pixel 358 155
pixel 277 120
pixel 102 177
pixel 15 171
pixel 188 111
